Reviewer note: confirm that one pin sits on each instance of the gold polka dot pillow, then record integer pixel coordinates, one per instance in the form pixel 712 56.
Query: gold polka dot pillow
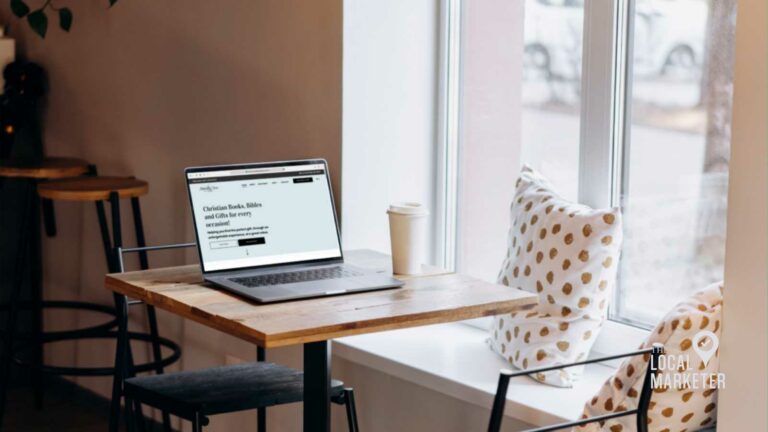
pixel 675 406
pixel 568 254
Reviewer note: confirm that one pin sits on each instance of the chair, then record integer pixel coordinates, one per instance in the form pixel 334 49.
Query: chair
pixel 497 413
pixel 196 395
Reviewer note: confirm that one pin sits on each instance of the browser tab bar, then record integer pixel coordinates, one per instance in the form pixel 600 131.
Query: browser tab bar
pixel 252 171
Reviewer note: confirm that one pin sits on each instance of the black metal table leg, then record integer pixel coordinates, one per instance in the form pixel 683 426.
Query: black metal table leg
pixel 317 386
pixel 49 218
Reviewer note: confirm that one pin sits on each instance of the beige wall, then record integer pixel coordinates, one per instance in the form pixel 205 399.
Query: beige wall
pixel 150 87
pixel 743 348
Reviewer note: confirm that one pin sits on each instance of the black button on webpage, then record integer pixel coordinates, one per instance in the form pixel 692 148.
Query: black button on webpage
pixel 251 241
pixel 303 180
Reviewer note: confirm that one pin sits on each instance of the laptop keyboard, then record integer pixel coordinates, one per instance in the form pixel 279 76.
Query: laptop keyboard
pixel 297 276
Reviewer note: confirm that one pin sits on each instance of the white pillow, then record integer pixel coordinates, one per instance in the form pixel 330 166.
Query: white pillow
pixel 673 408
pixel 568 254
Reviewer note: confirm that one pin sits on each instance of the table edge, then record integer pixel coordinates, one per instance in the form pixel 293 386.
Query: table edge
pixel 301 337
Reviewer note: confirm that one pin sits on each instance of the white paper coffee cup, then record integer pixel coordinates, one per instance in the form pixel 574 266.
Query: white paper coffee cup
pixel 407 233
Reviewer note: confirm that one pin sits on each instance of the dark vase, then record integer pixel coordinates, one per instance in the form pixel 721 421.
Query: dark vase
pixel 21 141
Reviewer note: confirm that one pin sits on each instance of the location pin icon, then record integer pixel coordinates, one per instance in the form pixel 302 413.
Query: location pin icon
pixel 705 353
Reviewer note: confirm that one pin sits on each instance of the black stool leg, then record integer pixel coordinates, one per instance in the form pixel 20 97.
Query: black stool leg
pixel 104 229
pixel 122 335
pixel 197 423
pixel 121 363
pixel 117 230
pixel 6 355
pixel 151 314
pixel 157 356
pixel 261 412
pixel 137 409
pixel 112 264
pixel 130 421
pixel 49 218
pixel 34 267
pixel 117 241
pixel 349 404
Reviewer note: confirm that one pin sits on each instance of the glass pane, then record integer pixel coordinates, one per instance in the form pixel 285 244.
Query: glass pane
pixel 503 44
pixel 676 169
pixel 551 90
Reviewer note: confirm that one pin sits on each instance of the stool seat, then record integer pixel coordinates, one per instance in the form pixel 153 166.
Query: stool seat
pixel 48 168
pixel 222 389
pixel 92 188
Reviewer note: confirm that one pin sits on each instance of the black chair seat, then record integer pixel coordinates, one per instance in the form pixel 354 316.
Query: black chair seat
pixel 221 389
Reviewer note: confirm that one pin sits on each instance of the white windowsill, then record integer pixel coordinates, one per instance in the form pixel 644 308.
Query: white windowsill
pixel 615 337
pixel 455 360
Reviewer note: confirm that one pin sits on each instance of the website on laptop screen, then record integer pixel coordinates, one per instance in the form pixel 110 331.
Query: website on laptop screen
pixel 261 216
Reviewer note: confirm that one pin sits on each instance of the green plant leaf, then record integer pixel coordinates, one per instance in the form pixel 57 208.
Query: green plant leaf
pixel 39 22
pixel 65 19
pixel 19 8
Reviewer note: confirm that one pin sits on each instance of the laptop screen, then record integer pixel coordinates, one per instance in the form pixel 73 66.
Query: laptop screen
pixel 251 216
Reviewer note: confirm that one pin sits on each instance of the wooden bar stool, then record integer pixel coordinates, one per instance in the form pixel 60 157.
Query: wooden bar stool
pixel 99 189
pixel 49 168
pixel 23 278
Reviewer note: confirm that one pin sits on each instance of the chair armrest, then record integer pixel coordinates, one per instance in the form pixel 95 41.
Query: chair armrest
pixel 499 401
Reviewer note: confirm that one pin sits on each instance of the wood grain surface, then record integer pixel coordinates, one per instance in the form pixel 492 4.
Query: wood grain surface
pixel 431 298
pixel 49 168
pixel 92 188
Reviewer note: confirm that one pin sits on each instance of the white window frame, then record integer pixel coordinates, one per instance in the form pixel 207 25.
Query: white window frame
pixel 447 186
pixel 606 113
pixel 604 136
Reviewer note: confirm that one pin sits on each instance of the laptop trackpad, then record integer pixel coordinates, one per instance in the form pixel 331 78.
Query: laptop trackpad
pixel 329 286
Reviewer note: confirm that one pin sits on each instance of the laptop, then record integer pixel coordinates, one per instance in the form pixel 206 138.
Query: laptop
pixel 269 232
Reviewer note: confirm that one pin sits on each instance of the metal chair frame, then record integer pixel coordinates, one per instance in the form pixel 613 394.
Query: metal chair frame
pixel 124 365
pixel 500 400
pixel 123 362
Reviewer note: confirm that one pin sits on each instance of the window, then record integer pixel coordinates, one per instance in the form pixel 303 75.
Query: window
pixel 673 188
pixel 551 102
pixel 622 103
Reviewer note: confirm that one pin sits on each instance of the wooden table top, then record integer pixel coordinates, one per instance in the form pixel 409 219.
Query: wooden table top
pixel 49 168
pixel 432 298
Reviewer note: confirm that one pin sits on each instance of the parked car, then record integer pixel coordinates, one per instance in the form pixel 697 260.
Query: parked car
pixel 668 38
pixel 552 35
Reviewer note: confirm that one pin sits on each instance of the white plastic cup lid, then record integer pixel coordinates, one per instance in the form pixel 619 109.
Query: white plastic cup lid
pixel 408 208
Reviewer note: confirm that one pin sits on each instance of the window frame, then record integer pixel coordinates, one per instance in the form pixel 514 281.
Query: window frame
pixel 604 133
pixel 449 103
pixel 606 84
pixel 606 113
